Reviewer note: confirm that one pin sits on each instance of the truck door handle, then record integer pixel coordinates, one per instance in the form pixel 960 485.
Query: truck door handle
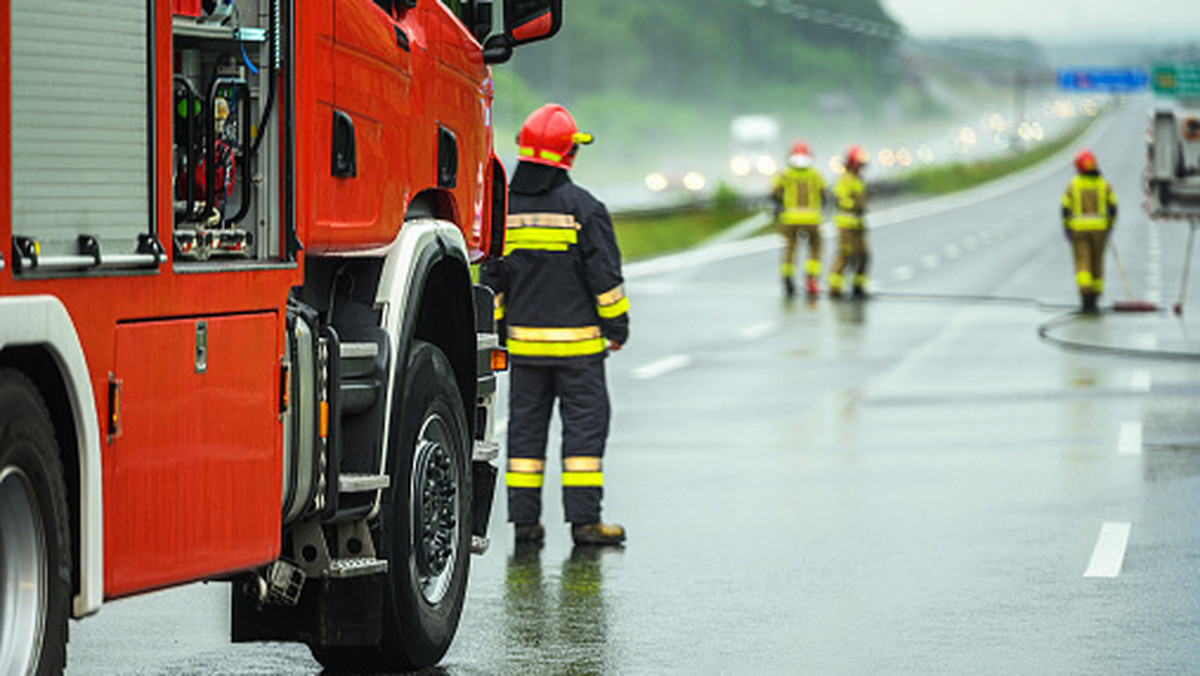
pixel 344 163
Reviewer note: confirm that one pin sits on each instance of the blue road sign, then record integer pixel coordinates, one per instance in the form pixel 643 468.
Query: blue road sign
pixel 1109 80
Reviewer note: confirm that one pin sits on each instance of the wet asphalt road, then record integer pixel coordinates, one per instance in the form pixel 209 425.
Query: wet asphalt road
pixel 915 484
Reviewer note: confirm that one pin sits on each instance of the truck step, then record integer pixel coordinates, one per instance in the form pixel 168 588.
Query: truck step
pixel 359 395
pixel 358 359
pixel 362 483
pixel 485 451
pixel 358 567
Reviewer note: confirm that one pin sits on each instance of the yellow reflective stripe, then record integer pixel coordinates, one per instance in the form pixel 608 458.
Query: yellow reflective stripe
pixel 787 269
pixel 553 334
pixel 541 220
pixel 611 296
pixel 526 465
pixel 800 217
pixel 498 311
pixel 849 221
pixel 544 154
pixel 530 234
pixel 1080 223
pixel 509 247
pixel 523 480
pixel 520 348
pixel 581 463
pixel 1083 278
pixel 812 267
pixel 615 310
pixel 583 479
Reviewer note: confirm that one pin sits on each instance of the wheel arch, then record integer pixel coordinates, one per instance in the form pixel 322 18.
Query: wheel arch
pixel 38 339
pixel 426 290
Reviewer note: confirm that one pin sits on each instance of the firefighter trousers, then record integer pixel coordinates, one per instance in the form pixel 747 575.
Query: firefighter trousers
pixel 582 394
pixel 791 239
pixel 852 253
pixel 1088 247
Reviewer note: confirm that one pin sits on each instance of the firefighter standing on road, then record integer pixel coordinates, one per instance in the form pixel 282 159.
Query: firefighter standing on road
pixel 851 195
pixel 798 193
pixel 560 297
pixel 1089 211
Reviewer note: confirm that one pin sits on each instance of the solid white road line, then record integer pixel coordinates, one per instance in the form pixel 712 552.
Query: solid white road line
pixel 1130 441
pixel 758 330
pixel 1109 554
pixel 662 366
pixel 1140 381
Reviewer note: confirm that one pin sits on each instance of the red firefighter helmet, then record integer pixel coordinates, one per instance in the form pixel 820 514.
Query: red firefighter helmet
pixel 856 157
pixel 1085 161
pixel 551 137
pixel 800 155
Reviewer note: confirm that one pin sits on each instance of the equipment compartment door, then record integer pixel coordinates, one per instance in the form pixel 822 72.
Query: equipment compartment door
pixel 192 481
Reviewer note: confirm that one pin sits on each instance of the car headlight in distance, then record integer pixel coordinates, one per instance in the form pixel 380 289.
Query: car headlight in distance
pixel 694 181
pixel 739 165
pixel 656 181
pixel 766 165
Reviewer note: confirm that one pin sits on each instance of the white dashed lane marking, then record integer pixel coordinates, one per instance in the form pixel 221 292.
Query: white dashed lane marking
pixel 662 367
pixel 1130 441
pixel 758 330
pixel 1109 554
pixel 1140 381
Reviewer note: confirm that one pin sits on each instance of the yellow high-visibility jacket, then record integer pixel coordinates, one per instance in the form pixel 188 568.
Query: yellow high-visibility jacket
pixel 851 194
pixel 1089 203
pixel 800 193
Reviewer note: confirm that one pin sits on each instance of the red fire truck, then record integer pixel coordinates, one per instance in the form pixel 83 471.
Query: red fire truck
pixel 238 334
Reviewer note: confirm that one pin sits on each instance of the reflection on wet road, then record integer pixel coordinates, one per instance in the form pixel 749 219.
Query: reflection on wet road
pixel 918 483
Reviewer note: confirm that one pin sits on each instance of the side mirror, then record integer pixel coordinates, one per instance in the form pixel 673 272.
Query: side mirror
pixel 525 21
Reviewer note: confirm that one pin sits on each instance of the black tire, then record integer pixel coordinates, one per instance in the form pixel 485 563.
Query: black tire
pixel 34 534
pixel 430 465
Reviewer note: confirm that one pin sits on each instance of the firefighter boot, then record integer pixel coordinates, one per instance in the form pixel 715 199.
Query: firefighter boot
pixel 789 287
pixel 529 533
pixel 860 293
pixel 597 533
pixel 810 285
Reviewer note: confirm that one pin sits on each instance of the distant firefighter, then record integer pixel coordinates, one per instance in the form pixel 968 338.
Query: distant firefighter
pixel 851 195
pixel 799 192
pixel 1089 212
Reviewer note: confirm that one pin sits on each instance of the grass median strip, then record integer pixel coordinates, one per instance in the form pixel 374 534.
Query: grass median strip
pixel 645 235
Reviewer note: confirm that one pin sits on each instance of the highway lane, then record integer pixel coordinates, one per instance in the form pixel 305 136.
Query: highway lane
pixel 913 484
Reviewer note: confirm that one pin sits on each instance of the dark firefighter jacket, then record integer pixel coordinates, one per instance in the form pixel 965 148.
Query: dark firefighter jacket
pixel 559 289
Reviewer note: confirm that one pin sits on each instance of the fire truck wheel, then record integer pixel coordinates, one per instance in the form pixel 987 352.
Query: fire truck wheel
pixel 425 523
pixel 35 559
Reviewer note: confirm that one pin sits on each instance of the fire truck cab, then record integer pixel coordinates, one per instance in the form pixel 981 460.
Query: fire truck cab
pixel 238 334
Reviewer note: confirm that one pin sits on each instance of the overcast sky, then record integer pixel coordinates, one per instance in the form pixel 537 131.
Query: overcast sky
pixel 1140 20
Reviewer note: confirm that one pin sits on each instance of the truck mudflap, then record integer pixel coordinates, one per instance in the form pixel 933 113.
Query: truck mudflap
pixel 332 611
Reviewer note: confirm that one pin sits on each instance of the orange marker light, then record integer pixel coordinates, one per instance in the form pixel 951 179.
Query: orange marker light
pixel 324 419
pixel 499 359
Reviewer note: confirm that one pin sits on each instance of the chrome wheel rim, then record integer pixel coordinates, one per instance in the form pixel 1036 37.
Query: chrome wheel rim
pixel 23 574
pixel 437 509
